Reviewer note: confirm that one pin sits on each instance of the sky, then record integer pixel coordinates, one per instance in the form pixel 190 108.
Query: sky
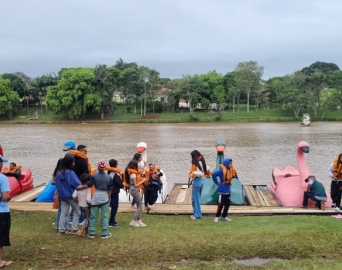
pixel 174 37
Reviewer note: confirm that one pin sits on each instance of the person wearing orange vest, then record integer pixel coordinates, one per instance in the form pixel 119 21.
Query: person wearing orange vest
pixel 115 173
pixel 223 178
pixel 335 173
pixel 198 170
pixel 135 183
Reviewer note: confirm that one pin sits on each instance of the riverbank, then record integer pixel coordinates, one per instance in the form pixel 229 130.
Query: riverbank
pixel 264 116
pixel 290 242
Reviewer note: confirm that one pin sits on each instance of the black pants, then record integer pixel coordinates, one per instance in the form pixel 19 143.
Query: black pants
pixel 5 226
pixel 223 202
pixel 335 192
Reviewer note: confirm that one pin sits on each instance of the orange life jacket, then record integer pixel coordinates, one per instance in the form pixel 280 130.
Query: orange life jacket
pixel 193 168
pixel 138 180
pixel 228 174
pixel 81 155
pixel 337 168
pixel 18 167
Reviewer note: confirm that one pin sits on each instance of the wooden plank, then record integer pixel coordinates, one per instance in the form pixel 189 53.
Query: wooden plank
pixel 186 209
pixel 29 195
pixel 174 194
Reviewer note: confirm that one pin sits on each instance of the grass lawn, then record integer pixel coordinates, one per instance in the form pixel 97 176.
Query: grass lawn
pixel 177 242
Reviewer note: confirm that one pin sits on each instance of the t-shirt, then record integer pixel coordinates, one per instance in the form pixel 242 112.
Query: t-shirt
pixel 132 176
pixel 84 197
pixel 4 186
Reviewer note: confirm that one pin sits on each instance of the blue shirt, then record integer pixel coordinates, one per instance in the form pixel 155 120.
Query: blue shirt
pixel 4 186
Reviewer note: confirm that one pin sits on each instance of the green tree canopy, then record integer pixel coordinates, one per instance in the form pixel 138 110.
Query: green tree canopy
pixel 74 93
pixel 9 99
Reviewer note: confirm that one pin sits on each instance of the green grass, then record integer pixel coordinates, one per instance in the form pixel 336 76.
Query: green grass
pixel 183 116
pixel 177 242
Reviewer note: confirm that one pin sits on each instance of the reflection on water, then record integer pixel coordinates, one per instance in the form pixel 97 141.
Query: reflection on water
pixel 254 148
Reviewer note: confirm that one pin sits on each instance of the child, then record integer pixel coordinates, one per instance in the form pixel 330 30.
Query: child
pixel 83 197
pixel 226 173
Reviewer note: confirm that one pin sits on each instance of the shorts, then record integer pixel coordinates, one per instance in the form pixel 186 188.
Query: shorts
pixel 5 226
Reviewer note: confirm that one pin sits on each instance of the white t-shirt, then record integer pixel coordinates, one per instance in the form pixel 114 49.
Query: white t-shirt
pixel 84 197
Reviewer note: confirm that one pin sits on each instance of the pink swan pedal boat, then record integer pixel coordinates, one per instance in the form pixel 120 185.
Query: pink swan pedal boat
pixel 288 186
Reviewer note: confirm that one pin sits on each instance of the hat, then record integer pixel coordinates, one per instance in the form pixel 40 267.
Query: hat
pixel 310 176
pixel 101 164
pixel 69 145
pixel 2 159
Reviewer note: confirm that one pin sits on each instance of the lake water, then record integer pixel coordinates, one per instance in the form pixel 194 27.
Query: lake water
pixel 256 148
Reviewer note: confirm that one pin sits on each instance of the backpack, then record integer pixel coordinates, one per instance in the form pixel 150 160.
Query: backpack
pixel 152 189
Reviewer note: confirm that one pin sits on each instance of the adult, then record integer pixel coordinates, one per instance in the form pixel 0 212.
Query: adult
pixel 198 170
pixel 82 164
pixel 135 182
pixel 2 161
pixel 314 191
pixel 100 201
pixel 141 170
pixel 5 217
pixel 335 173
pixel 14 171
pixel 114 172
pixel 223 178
pixel 66 183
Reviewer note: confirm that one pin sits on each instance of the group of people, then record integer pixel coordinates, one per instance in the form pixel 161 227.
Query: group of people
pixel 222 177
pixel 87 191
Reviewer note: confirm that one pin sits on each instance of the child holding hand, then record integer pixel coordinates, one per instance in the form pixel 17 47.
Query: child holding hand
pixel 83 197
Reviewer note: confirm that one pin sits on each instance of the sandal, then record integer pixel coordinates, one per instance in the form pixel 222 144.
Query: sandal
pixel 72 232
pixel 6 263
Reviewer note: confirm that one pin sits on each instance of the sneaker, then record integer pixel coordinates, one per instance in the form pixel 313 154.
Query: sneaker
pixel 323 205
pixel 113 225
pixel 134 223
pixel 337 209
pixel 106 236
pixel 216 219
pixel 226 219
pixel 141 224
pixel 333 205
pixel 192 217
pixel 91 236
pixel 81 223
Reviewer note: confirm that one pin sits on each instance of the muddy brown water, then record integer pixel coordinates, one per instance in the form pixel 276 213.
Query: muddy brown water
pixel 256 148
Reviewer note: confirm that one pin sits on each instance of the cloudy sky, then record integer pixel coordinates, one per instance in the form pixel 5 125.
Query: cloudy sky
pixel 175 37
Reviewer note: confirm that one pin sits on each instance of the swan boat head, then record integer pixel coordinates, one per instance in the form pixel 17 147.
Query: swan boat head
pixel 303 146
pixel 141 147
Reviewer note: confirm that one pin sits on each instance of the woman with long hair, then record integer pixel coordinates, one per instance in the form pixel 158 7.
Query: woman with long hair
pixel 66 183
pixel 335 173
pixel 141 169
pixel 135 182
pixel 197 171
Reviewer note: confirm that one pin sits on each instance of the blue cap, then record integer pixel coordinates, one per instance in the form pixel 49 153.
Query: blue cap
pixel 69 145
pixel 2 159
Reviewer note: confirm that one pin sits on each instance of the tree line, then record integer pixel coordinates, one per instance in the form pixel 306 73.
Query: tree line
pixel 79 92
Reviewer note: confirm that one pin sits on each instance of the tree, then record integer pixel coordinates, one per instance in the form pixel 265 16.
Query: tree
pixel 9 99
pixel 319 67
pixel 233 93
pixel 189 88
pixel 248 76
pixel 295 94
pixel 74 93
pixel 106 79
